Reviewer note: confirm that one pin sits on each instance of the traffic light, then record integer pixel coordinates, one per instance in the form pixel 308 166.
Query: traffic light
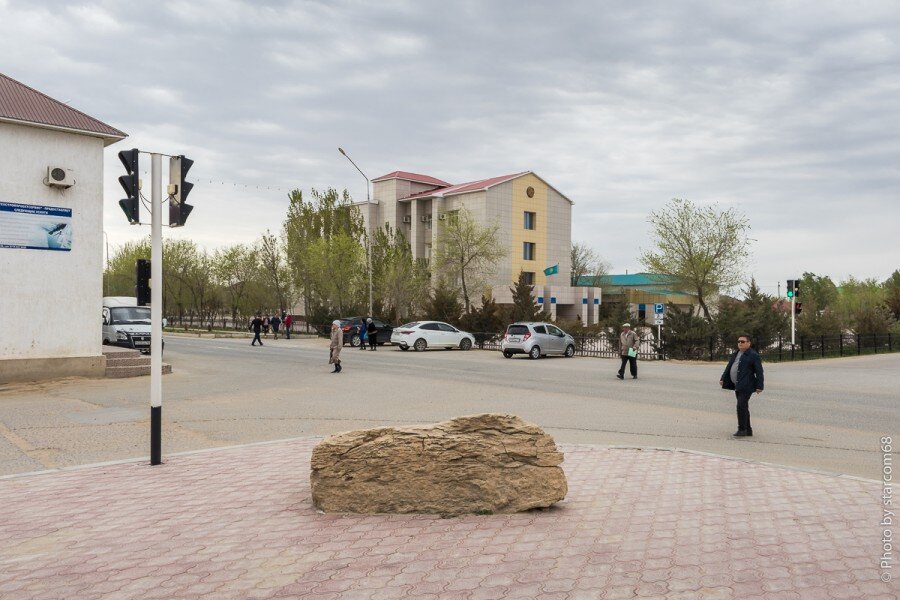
pixel 142 288
pixel 798 306
pixel 790 288
pixel 179 189
pixel 796 288
pixel 131 205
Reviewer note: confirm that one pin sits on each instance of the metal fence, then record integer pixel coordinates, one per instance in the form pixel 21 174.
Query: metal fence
pixel 717 349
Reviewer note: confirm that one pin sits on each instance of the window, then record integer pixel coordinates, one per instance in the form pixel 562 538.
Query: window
pixel 529 277
pixel 517 330
pixel 528 250
pixel 447 328
pixel 529 220
pixel 540 329
pixel 430 327
pixel 554 331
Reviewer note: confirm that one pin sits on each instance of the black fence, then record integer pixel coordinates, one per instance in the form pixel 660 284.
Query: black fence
pixel 717 349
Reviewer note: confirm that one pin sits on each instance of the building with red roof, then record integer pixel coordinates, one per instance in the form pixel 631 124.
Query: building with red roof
pixel 534 222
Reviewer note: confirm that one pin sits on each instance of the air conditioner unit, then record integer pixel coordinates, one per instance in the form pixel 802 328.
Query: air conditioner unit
pixel 60 177
pixel 426 218
pixel 407 219
pixel 442 217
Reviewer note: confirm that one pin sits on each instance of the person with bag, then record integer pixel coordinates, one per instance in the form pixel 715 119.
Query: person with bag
pixel 363 334
pixel 288 321
pixel 337 342
pixel 629 342
pixel 744 375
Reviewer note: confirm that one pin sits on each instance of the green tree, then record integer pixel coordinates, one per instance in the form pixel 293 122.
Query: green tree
pixel 235 269
pixel 270 252
pixel 704 248
pixel 490 317
pixel 120 276
pixel 401 282
pixel 443 304
pixel 891 287
pixel 524 306
pixel 587 263
pixel 468 253
pixel 821 290
pixel 761 316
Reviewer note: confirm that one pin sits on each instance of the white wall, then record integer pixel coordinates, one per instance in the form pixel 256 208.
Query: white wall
pixel 50 300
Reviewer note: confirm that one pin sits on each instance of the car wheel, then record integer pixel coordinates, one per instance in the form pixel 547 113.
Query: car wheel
pixel 535 353
pixel 465 344
pixel 570 351
pixel 354 340
pixel 507 354
pixel 404 348
pixel 420 345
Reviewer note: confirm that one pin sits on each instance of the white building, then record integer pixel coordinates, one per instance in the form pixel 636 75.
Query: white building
pixel 51 236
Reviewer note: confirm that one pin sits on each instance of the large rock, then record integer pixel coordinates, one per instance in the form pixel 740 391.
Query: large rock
pixel 487 463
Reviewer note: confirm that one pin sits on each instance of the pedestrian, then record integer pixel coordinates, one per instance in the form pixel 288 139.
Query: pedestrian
pixel 744 375
pixel 629 342
pixel 337 342
pixel 266 324
pixel 372 332
pixel 288 323
pixel 275 321
pixel 363 334
pixel 256 325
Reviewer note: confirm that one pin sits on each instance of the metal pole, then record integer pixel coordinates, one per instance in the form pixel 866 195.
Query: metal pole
pixel 793 321
pixel 368 228
pixel 156 311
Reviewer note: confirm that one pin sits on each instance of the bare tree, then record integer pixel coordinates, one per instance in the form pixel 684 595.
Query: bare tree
pixel 587 264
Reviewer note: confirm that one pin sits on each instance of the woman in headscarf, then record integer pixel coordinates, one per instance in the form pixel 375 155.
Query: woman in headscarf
pixel 337 342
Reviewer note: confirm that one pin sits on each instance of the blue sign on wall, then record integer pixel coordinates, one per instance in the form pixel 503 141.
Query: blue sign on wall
pixel 35 227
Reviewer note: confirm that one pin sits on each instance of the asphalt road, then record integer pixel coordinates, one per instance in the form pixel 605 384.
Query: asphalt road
pixel 826 415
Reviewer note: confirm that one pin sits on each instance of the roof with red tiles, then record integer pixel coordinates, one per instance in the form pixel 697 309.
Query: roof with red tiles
pixel 475 186
pixel 418 178
pixel 22 104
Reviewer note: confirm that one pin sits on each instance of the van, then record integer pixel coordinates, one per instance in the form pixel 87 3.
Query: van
pixel 126 324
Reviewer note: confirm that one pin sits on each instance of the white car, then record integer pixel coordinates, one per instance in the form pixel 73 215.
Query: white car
pixel 431 334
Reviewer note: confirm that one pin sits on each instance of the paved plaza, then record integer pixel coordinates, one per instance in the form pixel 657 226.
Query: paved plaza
pixel 239 523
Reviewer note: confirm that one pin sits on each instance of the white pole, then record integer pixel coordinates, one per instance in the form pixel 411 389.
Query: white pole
pixel 369 245
pixel 156 259
pixel 793 318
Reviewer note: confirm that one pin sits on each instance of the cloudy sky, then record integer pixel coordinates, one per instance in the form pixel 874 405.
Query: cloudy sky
pixel 787 111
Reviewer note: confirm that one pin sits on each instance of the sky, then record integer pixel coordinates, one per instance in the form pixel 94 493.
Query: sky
pixel 788 112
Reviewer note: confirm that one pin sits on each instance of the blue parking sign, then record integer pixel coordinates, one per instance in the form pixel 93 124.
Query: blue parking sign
pixel 659 308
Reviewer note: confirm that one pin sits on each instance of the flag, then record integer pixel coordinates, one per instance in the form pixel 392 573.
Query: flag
pixel 552 270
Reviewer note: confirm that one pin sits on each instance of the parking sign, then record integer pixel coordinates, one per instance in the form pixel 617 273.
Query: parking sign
pixel 659 308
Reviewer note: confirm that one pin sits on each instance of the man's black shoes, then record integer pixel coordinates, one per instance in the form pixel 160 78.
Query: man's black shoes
pixel 743 433
pixel 620 376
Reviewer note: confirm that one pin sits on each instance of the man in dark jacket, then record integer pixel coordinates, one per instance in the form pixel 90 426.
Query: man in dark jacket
pixel 744 375
pixel 256 325
pixel 372 334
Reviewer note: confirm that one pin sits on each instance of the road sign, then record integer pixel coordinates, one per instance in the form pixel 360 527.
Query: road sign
pixel 658 319
pixel 659 308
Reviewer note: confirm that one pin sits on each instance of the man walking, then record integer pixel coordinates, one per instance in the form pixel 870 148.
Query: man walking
pixel 629 342
pixel 744 375
pixel 256 325
pixel 275 322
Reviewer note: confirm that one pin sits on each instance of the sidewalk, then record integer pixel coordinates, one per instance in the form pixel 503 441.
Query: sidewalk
pixel 238 523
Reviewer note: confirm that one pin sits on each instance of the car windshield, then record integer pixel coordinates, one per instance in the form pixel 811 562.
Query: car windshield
pixel 517 330
pixel 123 315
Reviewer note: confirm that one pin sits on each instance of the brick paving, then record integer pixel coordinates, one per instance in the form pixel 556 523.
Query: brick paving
pixel 238 523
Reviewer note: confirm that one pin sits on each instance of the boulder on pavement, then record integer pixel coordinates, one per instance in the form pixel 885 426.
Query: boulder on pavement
pixel 488 463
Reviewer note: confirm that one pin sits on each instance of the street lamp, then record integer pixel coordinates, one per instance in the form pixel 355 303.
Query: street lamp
pixel 368 233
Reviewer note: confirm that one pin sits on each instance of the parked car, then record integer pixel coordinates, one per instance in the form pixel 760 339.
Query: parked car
pixel 420 335
pixel 351 328
pixel 537 340
pixel 127 324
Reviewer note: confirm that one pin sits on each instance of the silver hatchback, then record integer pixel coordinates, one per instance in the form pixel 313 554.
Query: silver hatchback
pixel 537 340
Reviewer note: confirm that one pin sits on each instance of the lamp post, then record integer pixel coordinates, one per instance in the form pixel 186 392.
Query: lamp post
pixel 369 228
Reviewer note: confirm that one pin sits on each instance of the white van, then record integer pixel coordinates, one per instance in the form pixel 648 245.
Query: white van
pixel 125 323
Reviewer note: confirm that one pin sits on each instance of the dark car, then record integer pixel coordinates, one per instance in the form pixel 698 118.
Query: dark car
pixel 351 328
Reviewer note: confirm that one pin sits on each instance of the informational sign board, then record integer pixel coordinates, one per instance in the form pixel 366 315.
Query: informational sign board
pixel 659 308
pixel 35 227
pixel 658 319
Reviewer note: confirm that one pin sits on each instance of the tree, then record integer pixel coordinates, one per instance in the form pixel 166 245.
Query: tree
pixel 401 282
pixel 490 317
pixel 586 263
pixel 821 290
pixel 443 304
pixel 758 314
pixel 702 247
pixel 120 276
pixel 891 287
pixel 270 251
pixel 236 269
pixel 468 253
pixel 524 307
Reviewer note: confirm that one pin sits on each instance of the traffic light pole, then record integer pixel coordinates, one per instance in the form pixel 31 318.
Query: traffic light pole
pixel 156 310
pixel 793 319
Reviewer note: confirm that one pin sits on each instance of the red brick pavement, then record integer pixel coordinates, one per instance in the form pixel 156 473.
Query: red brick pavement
pixel 238 523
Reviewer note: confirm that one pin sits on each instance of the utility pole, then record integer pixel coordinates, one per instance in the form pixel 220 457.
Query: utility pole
pixel 368 229
pixel 156 309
